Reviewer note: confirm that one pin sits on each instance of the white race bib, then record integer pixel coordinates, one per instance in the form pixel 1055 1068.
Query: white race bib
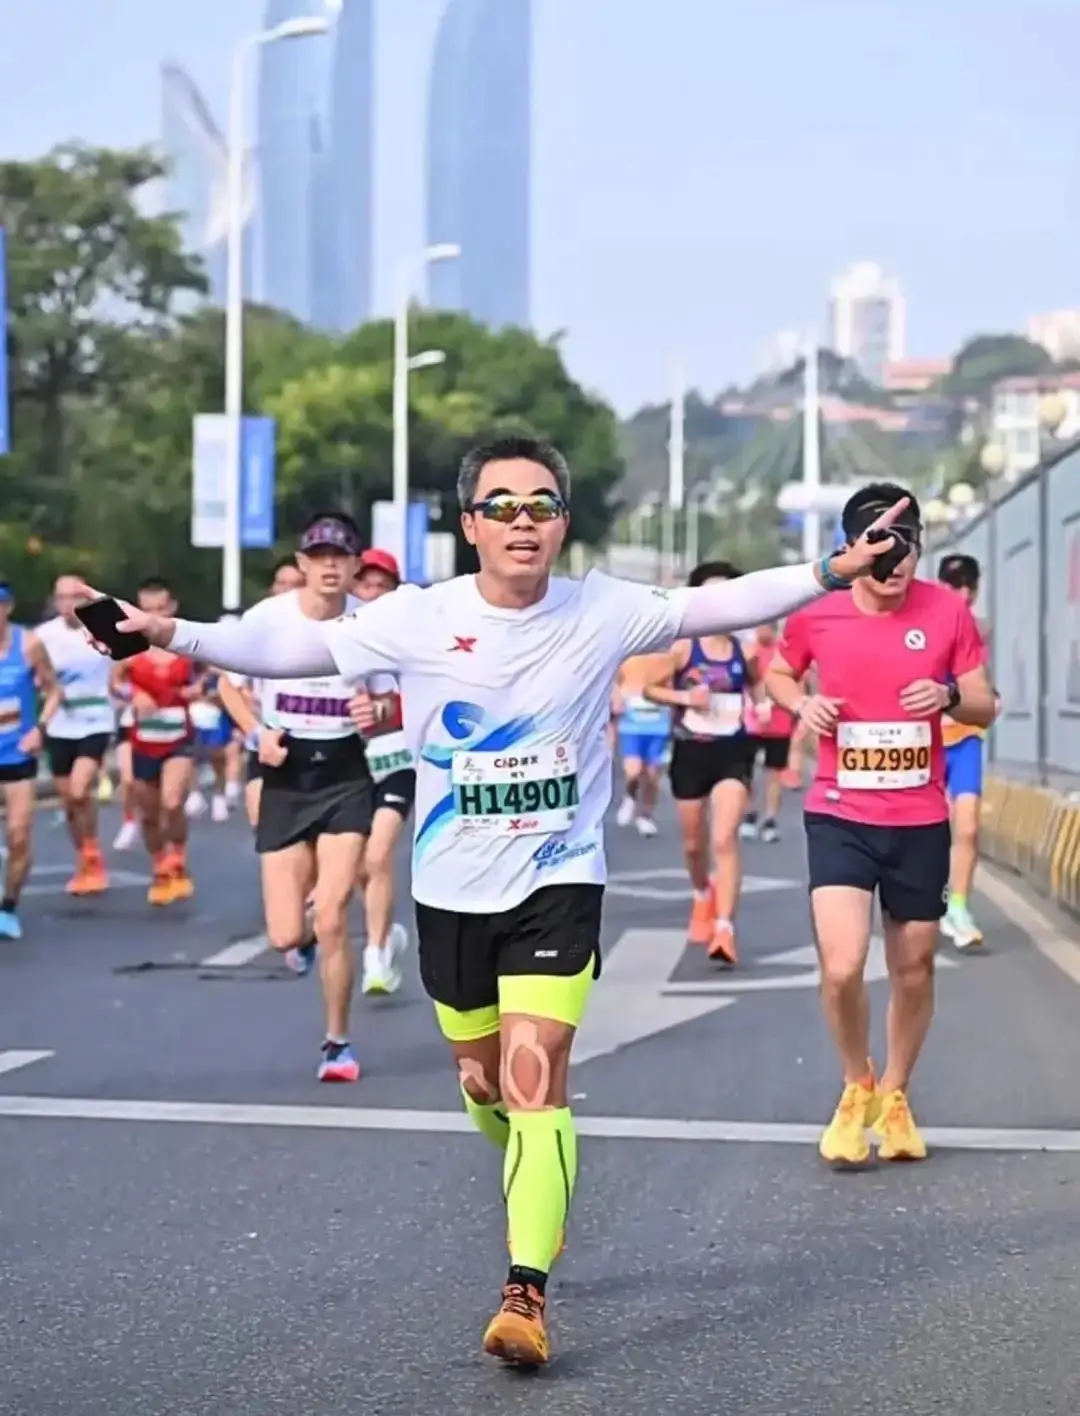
pixel 10 713
pixel 206 717
pixel 882 757
pixel 722 718
pixel 164 725
pixel 531 791
pixel 388 754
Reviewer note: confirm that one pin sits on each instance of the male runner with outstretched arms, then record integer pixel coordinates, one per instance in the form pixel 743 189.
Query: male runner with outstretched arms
pixel 506 679
pixel 80 733
pixel 26 673
pixel 891 658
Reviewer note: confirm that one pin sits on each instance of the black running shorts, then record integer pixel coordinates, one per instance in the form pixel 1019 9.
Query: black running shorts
pixel 906 866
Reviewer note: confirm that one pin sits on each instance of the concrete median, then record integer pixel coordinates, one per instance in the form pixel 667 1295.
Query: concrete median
pixel 1036 832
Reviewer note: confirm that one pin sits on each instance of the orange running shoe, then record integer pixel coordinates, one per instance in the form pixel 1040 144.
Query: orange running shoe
pixel 183 887
pixel 161 886
pixel 702 920
pixel 722 948
pixel 95 875
pixel 517 1334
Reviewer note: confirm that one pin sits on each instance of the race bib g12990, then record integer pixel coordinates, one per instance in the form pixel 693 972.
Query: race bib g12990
pixel 882 756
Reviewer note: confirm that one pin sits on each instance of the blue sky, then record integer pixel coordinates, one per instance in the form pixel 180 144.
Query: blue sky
pixel 702 167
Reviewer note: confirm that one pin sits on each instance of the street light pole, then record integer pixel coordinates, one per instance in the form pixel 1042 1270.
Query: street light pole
pixel 231 544
pixel 676 469
pixel 406 273
pixel 811 468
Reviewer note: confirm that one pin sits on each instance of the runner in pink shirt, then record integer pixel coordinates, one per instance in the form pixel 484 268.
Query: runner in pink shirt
pixel 891 657
pixel 771 728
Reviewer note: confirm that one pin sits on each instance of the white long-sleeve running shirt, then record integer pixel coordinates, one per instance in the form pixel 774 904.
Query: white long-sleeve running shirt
pixel 505 709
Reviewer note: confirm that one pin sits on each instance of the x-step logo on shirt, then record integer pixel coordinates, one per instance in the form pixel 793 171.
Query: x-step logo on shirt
pixel 466 646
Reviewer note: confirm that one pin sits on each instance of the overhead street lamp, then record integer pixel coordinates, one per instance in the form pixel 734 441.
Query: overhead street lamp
pixel 302 27
pixel 408 269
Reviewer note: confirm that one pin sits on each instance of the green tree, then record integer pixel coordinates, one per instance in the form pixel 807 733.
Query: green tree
pixel 516 381
pixel 86 266
pixel 989 357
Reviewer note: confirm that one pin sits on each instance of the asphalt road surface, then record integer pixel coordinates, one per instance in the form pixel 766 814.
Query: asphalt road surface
pixel 191 1226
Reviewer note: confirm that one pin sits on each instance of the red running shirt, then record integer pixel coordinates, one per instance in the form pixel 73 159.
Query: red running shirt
pixel 162 679
pixel 885 767
pixel 780 723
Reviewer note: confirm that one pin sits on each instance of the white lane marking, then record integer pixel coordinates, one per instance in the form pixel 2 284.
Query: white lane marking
pixel 670 883
pixel 15 1058
pixel 234 956
pixel 629 1002
pixel 118 879
pixel 804 956
pixel 1039 927
pixel 618 1128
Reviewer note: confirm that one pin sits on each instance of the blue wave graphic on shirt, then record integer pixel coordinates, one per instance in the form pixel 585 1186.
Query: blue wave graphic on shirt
pixel 472 730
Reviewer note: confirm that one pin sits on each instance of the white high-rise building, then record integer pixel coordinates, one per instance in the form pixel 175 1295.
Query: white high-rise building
pixel 867 318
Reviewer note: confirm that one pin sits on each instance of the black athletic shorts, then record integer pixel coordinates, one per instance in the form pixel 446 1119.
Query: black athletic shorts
pixel 774 752
pixel 555 931
pixel 145 768
pixel 63 753
pixel 907 866
pixel 397 793
pixel 252 767
pixel 18 771
pixel 321 789
pixel 697 766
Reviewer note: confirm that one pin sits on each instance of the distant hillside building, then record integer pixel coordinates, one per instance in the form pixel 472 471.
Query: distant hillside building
pixel 867 319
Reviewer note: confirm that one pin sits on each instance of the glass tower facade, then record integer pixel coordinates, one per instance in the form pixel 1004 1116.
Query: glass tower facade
pixel 478 159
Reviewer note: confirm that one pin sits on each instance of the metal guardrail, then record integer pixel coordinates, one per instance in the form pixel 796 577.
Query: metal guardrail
pixel 1028 545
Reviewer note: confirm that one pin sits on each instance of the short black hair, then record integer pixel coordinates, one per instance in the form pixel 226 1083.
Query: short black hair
pixel 509 447
pixel 285 563
pixel 153 585
pixel 712 570
pixel 878 497
pixel 960 571
pixel 341 517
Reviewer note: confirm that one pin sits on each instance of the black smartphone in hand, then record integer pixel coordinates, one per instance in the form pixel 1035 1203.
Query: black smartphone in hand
pixel 100 619
pixel 887 562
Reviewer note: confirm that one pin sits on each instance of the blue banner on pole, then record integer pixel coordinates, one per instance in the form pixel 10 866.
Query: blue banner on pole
pixel 416 534
pixel 5 396
pixel 257 484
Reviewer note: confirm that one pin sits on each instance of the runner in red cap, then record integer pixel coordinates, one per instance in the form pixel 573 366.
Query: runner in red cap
pixel 892 656
pixel 392 768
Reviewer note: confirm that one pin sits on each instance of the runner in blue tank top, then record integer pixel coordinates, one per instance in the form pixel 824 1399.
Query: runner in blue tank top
pixel 709 683
pixel 25 670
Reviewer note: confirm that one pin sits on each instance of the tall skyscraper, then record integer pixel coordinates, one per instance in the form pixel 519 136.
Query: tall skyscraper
pixel 478 160
pixel 197 184
pixel 867 319
pixel 290 93
pixel 347 183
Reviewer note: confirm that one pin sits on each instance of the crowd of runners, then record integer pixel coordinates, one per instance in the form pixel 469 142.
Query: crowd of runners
pixel 490 700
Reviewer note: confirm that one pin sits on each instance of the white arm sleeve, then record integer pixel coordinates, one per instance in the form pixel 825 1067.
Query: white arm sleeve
pixel 726 605
pixel 247 646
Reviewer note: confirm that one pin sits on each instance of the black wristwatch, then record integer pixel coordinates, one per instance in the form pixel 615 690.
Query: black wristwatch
pixel 953 700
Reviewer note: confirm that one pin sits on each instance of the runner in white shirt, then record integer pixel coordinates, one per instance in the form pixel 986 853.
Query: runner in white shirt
pixel 506 678
pixel 80 733
pixel 317 796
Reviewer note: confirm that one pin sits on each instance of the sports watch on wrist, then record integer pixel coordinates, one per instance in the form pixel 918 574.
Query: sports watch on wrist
pixel 953 700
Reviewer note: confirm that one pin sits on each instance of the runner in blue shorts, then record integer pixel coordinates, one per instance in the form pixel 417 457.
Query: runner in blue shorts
pixel 644 730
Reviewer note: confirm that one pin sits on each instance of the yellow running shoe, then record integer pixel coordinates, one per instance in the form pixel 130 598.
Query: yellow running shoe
pixel 844 1142
pixel 895 1130
pixel 516 1334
